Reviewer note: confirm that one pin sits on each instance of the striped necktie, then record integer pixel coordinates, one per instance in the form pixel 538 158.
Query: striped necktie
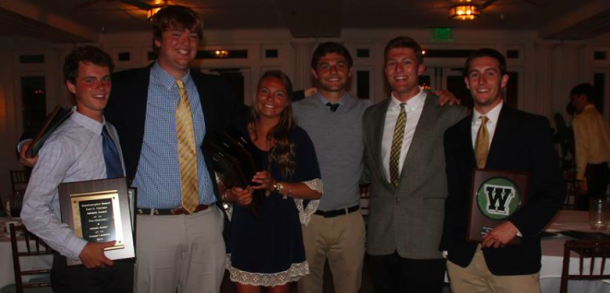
pixel 481 146
pixel 187 154
pixel 399 133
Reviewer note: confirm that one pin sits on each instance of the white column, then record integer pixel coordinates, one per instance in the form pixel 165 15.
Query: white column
pixel 566 75
pixel 302 64
pixel 541 103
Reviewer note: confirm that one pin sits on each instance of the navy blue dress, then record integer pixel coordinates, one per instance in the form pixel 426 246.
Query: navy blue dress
pixel 269 251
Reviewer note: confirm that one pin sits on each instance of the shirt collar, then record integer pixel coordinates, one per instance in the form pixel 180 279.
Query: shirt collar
pixel 589 106
pixel 87 122
pixel 414 103
pixel 165 79
pixel 492 115
pixel 324 100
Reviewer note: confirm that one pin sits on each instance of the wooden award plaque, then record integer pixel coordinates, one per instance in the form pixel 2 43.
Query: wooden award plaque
pixel 495 196
pixel 100 211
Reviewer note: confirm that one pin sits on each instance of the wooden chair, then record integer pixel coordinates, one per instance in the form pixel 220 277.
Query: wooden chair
pixel 19 180
pixel 591 250
pixel 34 247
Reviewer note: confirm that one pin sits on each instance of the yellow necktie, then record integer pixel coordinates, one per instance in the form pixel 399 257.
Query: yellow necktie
pixel 399 133
pixel 481 147
pixel 187 153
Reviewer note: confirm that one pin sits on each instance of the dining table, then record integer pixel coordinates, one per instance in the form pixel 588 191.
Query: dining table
pixel 552 254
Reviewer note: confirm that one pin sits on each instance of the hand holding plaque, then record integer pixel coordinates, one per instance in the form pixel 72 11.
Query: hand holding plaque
pixel 93 256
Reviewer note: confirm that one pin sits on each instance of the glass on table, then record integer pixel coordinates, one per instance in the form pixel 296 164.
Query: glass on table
pixel 598 214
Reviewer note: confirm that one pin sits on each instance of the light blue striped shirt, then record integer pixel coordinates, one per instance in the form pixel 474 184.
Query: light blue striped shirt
pixel 158 174
pixel 72 153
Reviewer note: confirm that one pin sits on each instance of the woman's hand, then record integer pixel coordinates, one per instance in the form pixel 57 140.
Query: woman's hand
pixel 241 196
pixel 264 179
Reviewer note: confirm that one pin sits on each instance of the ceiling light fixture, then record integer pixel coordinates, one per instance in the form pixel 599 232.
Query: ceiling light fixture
pixel 151 12
pixel 465 11
pixel 221 53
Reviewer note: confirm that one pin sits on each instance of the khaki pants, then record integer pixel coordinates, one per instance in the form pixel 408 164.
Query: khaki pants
pixel 182 252
pixel 477 278
pixel 341 240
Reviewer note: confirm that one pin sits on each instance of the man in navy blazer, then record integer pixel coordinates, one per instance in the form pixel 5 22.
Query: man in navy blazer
pixel 516 141
pixel 175 247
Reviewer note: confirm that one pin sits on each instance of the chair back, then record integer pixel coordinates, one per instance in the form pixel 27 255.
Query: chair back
pixel 19 180
pixel 34 247
pixel 591 253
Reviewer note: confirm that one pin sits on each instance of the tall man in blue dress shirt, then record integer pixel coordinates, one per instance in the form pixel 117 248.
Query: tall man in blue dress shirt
pixel 179 228
pixel 76 151
pixel 162 112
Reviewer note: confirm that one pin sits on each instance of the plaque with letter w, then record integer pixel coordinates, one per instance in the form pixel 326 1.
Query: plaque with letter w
pixel 496 195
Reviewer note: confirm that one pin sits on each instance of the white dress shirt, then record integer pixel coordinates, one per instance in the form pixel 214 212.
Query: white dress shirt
pixel 73 153
pixel 413 108
pixel 492 122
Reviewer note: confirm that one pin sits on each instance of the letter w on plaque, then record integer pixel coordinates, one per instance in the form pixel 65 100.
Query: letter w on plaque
pixel 99 211
pixel 496 195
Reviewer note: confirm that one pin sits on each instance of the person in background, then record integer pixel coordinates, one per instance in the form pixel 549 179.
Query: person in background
pixel 592 145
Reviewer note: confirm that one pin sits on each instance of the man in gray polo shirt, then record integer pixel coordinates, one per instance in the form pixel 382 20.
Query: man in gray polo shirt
pixel 333 120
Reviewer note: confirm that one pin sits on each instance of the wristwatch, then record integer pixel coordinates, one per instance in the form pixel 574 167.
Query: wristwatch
pixel 278 187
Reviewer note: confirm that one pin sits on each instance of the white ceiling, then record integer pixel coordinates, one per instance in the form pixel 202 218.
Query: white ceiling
pixel 82 20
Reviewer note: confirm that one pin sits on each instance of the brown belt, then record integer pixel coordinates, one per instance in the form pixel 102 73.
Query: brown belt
pixel 169 212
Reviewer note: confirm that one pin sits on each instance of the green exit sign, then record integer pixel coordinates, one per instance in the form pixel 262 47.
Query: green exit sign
pixel 442 34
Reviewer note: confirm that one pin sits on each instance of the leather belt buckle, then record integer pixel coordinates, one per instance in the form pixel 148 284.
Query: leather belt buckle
pixel 335 213
pixel 170 212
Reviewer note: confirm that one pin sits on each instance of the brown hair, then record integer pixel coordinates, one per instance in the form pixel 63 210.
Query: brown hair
pixel 404 42
pixel 176 16
pixel 86 54
pixel 486 52
pixel 282 150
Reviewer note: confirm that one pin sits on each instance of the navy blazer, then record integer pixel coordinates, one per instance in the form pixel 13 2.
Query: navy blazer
pixel 126 110
pixel 522 142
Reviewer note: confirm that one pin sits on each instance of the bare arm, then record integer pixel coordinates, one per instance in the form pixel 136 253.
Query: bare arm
pixel 295 190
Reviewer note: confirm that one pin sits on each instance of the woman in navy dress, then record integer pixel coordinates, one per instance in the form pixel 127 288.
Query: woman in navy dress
pixel 269 251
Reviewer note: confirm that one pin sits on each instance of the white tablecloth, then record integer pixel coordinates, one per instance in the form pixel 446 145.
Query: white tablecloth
pixel 7 275
pixel 552 256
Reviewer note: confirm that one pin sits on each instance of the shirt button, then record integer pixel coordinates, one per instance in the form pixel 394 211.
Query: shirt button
pixel 397 199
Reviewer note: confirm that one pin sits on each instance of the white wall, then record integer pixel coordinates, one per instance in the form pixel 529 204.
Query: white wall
pixel 548 69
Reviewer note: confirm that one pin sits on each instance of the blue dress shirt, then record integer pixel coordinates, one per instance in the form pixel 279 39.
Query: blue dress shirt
pixel 158 174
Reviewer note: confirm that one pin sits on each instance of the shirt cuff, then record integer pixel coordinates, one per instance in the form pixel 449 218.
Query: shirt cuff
pixel 21 143
pixel 74 248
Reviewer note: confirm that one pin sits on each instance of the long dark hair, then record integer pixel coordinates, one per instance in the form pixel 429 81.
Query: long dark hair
pixel 282 150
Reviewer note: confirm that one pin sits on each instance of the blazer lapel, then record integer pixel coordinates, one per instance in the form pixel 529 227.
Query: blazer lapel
pixel 466 137
pixel 501 135
pixel 206 100
pixel 424 126
pixel 377 137
pixel 139 106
